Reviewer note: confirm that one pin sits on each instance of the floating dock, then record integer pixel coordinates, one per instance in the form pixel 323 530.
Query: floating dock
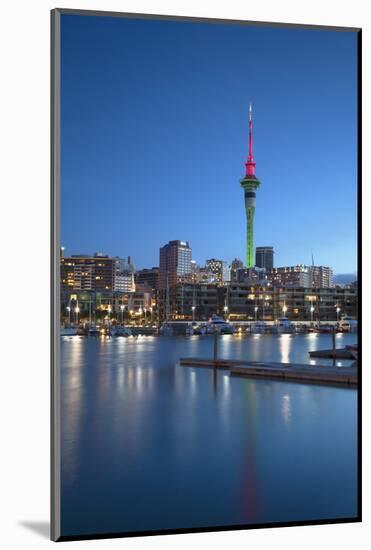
pixel 339 353
pixel 345 376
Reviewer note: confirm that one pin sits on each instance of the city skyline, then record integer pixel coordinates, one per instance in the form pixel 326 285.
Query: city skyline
pixel 160 156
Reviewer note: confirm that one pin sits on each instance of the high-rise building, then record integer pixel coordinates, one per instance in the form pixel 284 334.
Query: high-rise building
pixel 290 276
pixel 148 277
pixel 302 276
pixel 235 266
pixel 124 282
pixel 175 262
pixel 250 184
pixel 219 269
pixel 264 257
pixel 84 272
pixel 124 275
pixel 321 276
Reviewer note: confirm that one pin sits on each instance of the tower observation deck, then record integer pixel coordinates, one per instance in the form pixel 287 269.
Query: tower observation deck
pixel 250 183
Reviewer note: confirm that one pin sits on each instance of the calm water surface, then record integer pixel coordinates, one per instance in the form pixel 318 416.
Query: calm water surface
pixel 147 444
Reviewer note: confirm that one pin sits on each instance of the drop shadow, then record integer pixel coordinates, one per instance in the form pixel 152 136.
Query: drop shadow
pixel 42 528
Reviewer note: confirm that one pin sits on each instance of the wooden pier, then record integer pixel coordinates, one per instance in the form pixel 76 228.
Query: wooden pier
pixel 344 376
pixel 337 353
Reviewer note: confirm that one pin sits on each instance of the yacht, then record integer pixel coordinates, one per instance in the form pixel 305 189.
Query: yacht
pixel 121 331
pixel 348 324
pixel 324 328
pixel 284 326
pixel 68 331
pixel 259 327
pixel 216 323
pixel 166 330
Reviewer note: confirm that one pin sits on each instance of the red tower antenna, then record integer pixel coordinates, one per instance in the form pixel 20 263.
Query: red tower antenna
pixel 250 164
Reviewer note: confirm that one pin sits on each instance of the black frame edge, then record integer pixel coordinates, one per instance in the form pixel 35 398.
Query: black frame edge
pixel 55 532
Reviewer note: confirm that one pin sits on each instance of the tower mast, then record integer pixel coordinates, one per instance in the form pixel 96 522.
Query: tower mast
pixel 250 183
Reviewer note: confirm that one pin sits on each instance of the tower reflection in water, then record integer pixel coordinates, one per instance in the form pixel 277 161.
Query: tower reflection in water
pixel 149 444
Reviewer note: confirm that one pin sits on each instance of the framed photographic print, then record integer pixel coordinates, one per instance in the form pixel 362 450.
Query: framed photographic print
pixel 206 351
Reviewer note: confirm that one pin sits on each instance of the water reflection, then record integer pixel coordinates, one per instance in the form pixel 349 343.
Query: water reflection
pixel 286 408
pixel 285 347
pixel 178 447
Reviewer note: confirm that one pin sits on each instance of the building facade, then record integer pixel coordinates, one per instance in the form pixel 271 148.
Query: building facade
pixel 219 269
pixel 148 277
pixel 301 276
pixel 246 302
pixel 175 263
pixel 264 257
pixel 88 273
pixel 321 276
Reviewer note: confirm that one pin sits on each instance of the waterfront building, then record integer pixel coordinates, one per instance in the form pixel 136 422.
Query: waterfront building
pixel 290 276
pixel 124 275
pixel 250 184
pixel 263 301
pixel 187 300
pixel 252 275
pixel 201 275
pixel 88 273
pixel 301 276
pixel 219 269
pixel 175 262
pixel 97 273
pixel 93 305
pixel 148 277
pixel 264 257
pixel 235 265
pixel 321 276
pixel 124 282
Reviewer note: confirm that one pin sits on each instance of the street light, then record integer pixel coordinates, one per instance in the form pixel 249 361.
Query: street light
pixel 311 313
pixel 337 313
pixel 256 313
pixel 225 311
pixel 122 307
pixel 77 309
pixel 193 313
pixel 284 309
pixel 140 315
pixel 69 314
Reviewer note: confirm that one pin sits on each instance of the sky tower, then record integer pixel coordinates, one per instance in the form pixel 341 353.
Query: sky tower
pixel 250 183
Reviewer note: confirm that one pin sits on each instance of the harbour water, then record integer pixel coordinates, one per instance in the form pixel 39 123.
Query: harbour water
pixel 150 445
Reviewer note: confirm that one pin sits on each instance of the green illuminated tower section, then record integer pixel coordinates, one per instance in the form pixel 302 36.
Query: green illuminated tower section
pixel 250 183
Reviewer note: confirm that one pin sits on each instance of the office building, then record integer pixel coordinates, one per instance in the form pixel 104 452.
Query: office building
pixel 175 262
pixel 264 257
pixel 219 269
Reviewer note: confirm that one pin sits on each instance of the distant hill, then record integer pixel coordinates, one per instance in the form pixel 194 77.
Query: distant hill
pixel 344 278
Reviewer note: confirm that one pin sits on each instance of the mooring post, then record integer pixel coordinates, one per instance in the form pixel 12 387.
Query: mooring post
pixel 215 345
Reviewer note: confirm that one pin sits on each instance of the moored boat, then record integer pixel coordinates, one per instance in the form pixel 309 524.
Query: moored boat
pixel 217 324
pixel 68 331
pixel 259 327
pixel 121 331
pixel 285 326
pixel 348 324
pixel 325 329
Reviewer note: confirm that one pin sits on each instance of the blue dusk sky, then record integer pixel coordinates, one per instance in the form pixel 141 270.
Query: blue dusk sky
pixel 154 119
